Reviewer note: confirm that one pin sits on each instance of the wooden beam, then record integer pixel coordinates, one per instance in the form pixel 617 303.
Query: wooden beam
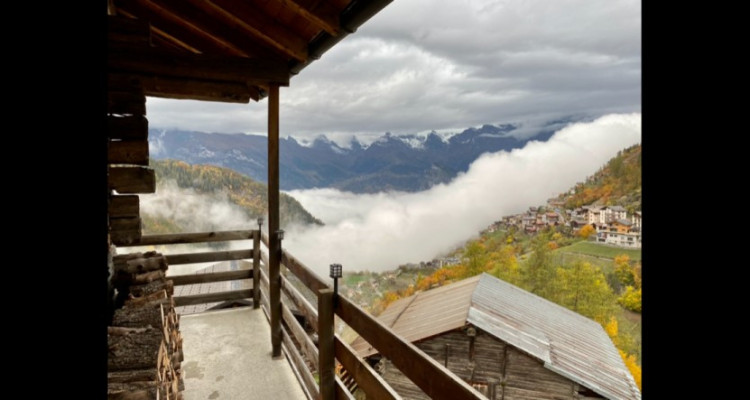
pixel 305 275
pixel 200 237
pixel 194 89
pixel 256 268
pixel 306 344
pixel 323 15
pixel 367 378
pixel 158 62
pixel 274 248
pixel 131 127
pixel 173 29
pixel 128 30
pixel 202 16
pixel 129 180
pixel 212 297
pixel 211 277
pixel 300 302
pixel 128 152
pixel 251 20
pixel 434 379
pixel 299 364
pixel 193 258
pixel 125 224
pixel 123 206
pixel 126 103
pixel 325 344
pixel 342 393
pixel 124 238
pixel 123 83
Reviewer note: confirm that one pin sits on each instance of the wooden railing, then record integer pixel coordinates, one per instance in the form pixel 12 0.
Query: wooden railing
pixel 306 357
pixel 432 377
pixel 251 253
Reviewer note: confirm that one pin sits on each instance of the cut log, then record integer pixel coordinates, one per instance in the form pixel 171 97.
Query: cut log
pixel 125 224
pixel 153 287
pixel 126 103
pixel 121 331
pixel 125 238
pixel 134 375
pixel 145 394
pixel 128 152
pixel 147 277
pixel 138 317
pixel 124 206
pixel 159 296
pixel 136 351
pixel 131 127
pixel 137 263
pixel 128 180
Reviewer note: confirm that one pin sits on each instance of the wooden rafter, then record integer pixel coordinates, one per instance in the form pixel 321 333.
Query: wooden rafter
pixel 157 62
pixel 193 89
pixel 214 21
pixel 322 15
pixel 257 23
pixel 180 32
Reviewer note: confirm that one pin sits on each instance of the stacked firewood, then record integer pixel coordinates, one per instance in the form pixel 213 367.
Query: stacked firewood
pixel 145 345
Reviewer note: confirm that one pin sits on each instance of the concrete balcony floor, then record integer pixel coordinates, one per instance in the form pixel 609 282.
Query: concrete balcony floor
pixel 228 356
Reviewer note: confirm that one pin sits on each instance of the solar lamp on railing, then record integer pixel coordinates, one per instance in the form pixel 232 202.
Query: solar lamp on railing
pixel 260 222
pixel 336 273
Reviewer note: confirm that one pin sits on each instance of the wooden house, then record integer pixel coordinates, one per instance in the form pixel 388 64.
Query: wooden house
pixel 506 342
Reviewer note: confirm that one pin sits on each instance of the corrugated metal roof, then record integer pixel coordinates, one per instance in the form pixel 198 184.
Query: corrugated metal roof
pixel 425 314
pixel 568 343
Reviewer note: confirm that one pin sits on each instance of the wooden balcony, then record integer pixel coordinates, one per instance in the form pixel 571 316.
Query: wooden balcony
pixel 303 311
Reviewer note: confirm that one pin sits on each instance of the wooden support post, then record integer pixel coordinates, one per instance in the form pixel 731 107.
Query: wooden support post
pixel 274 247
pixel 256 269
pixel 325 344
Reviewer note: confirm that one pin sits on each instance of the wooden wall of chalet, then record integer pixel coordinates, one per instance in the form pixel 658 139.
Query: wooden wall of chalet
pixel 499 371
pixel 127 138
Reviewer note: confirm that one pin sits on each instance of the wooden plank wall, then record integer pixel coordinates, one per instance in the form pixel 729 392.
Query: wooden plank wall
pixel 497 368
pixel 127 139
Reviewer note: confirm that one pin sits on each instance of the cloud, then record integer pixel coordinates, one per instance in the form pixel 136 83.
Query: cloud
pixel 470 63
pixel 194 212
pixel 381 231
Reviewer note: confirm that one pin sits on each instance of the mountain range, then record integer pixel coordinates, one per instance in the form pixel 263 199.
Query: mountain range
pixel 391 163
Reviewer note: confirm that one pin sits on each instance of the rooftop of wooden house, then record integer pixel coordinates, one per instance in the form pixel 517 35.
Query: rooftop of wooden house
pixel 564 342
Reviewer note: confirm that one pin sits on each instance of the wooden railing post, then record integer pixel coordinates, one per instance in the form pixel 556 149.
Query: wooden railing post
pixel 273 220
pixel 325 344
pixel 256 269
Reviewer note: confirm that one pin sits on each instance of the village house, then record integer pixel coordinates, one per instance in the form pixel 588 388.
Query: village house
pixel 615 238
pixel 506 342
pixel 636 219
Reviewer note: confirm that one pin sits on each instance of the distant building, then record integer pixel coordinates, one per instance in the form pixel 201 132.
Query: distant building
pixel 506 342
pixel 615 238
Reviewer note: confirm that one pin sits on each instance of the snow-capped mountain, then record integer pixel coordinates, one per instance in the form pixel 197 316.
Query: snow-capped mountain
pixel 392 162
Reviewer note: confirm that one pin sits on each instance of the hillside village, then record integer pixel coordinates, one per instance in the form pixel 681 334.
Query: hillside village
pixel 613 224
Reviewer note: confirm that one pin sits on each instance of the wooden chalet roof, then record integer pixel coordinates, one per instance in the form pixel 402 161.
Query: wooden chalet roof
pixel 566 342
pixel 225 50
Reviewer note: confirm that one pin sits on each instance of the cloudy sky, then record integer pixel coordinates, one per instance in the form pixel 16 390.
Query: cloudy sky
pixel 422 65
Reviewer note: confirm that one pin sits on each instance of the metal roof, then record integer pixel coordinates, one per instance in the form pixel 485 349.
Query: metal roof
pixel 568 343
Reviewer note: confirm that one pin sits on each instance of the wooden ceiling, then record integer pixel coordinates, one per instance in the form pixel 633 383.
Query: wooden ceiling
pixel 225 50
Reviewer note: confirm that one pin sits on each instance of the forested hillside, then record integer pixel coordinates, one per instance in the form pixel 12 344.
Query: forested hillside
pixel 618 183
pixel 218 183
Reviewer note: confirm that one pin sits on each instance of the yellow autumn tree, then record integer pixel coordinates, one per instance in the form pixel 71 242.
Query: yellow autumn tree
pixel 586 231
